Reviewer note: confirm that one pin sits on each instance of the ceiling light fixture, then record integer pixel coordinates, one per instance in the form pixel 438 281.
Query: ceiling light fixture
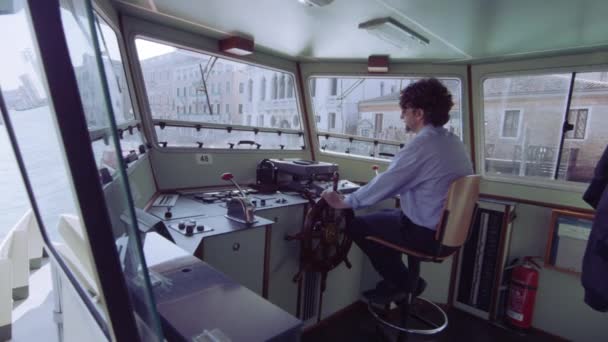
pixel 315 3
pixel 377 63
pixel 393 32
pixel 237 46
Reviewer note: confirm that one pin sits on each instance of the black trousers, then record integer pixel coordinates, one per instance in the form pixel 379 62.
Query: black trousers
pixel 393 226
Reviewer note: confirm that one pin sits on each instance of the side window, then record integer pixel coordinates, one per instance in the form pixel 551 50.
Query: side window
pixel 219 120
pixel 52 163
pixel 523 120
pixel 128 125
pixel 359 116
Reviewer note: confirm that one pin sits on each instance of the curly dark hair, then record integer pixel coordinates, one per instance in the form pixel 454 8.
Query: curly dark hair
pixel 432 97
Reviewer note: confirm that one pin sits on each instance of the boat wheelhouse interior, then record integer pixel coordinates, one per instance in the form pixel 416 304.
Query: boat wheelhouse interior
pixel 162 163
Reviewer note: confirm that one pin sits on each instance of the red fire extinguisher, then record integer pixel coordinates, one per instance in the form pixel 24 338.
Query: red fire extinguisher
pixel 522 293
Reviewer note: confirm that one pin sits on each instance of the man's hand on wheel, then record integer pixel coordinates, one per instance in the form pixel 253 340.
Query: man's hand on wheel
pixel 334 199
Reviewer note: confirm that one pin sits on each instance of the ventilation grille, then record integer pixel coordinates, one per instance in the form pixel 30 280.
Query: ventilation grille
pixel 311 280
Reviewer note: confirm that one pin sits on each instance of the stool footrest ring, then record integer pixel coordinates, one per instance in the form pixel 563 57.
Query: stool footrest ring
pixel 437 327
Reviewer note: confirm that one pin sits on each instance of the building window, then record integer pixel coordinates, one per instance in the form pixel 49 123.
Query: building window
pixel 333 89
pixel 313 87
pixel 331 122
pixel 248 120
pixel 510 124
pixel 381 88
pixel 250 90
pixel 241 87
pixel 578 118
pixel 318 118
pixel 289 87
pixel 218 108
pixel 240 108
pixel 263 89
pixel 227 108
pixel 274 87
pixel 377 124
pixel 273 121
pixel 261 120
pixel 227 87
pixel 282 87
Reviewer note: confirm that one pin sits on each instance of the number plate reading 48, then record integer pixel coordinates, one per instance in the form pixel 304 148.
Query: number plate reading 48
pixel 204 159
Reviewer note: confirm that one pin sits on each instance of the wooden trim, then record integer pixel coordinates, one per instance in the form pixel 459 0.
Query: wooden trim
pixel 499 269
pixel 471 118
pixel 336 315
pixel 453 273
pixel 407 251
pixel 266 270
pixel 552 223
pixel 538 203
pixel 321 292
pixel 151 200
pixel 199 252
pixel 299 299
pixel 555 213
pixel 305 113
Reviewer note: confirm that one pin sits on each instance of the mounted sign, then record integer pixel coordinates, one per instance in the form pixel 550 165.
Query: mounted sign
pixel 204 159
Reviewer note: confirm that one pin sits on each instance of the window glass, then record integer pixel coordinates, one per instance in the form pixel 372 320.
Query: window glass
pixel 93 100
pixel 220 139
pixel 523 116
pixel 367 109
pixel 89 51
pixel 38 142
pixel 584 144
pixel 261 98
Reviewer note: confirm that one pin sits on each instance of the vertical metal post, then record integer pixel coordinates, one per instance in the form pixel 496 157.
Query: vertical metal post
pixel 566 126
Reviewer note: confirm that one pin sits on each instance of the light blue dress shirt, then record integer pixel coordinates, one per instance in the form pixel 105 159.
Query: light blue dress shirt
pixel 421 174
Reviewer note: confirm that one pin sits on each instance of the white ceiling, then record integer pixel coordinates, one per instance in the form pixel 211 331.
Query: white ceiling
pixel 457 29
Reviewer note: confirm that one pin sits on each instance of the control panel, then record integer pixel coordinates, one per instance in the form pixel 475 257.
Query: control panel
pixel 190 226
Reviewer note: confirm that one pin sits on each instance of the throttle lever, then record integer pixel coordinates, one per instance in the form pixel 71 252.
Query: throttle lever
pixel 229 177
pixel 335 178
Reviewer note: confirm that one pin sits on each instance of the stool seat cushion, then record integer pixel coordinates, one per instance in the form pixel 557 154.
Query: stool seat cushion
pixel 410 251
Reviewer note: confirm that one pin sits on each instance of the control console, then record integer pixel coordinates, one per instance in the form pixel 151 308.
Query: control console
pixel 189 226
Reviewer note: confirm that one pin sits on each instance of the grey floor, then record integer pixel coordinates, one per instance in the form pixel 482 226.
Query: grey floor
pixel 33 317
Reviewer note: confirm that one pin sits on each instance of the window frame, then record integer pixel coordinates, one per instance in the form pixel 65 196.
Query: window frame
pixel 398 72
pixel 533 67
pixel 185 44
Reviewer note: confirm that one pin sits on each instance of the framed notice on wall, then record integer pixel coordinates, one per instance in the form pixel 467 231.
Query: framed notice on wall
pixel 567 240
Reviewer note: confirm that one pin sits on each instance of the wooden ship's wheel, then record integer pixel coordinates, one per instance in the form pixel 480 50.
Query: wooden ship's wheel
pixel 323 241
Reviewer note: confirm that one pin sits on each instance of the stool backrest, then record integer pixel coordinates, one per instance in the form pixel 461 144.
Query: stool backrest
pixel 460 205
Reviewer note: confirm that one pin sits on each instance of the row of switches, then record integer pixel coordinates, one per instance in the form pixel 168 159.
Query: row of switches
pixel 263 202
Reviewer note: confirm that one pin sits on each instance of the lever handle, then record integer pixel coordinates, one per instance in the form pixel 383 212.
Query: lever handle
pixel 335 178
pixel 229 177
